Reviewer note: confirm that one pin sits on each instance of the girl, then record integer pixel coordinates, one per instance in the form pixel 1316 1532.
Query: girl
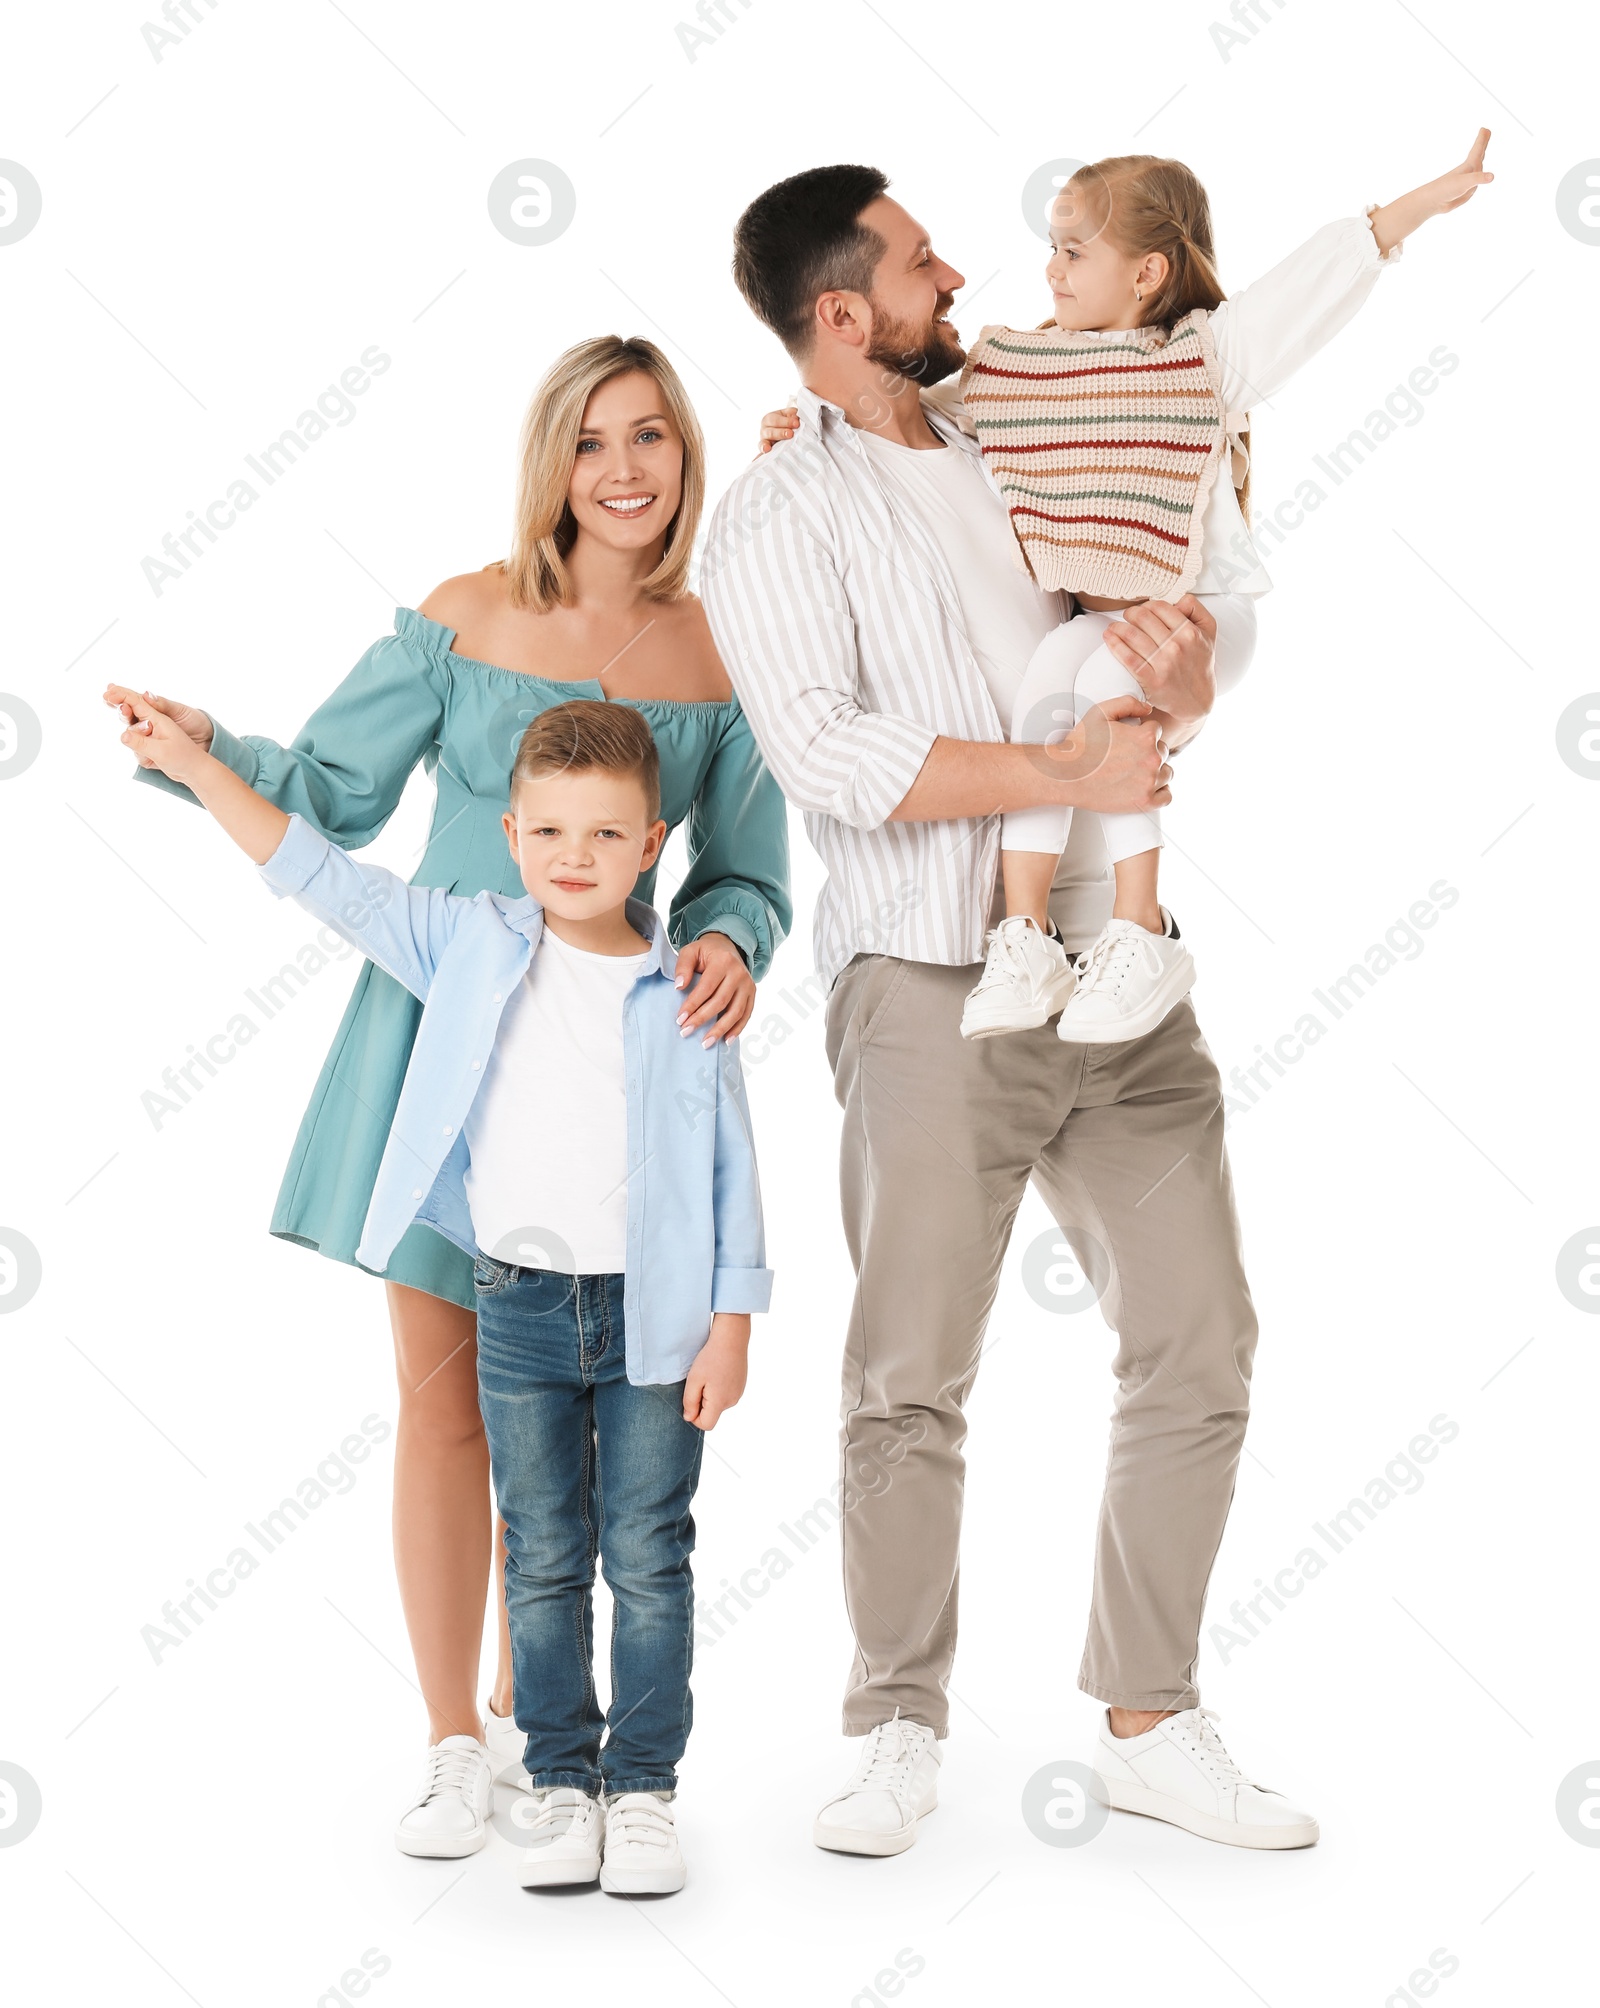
pixel 1105 431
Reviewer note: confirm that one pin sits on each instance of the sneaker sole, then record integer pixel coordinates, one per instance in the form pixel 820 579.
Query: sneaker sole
pixel 557 1875
pixel 448 1848
pixel 1128 1798
pixel 645 1883
pixel 855 1841
pixel 1025 1021
pixel 1161 1006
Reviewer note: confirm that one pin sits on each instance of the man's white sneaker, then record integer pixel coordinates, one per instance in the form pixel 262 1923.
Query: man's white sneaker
pixel 1181 1771
pixel 896 1784
pixel 1026 979
pixel 449 1816
pixel 564 1830
pixel 1127 983
pixel 642 1853
pixel 505 1743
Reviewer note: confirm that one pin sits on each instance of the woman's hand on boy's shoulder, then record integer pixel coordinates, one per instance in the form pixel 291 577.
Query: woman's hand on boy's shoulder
pixel 722 992
pixel 716 1380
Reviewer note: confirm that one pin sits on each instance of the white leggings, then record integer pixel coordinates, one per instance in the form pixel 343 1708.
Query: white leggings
pixel 1071 670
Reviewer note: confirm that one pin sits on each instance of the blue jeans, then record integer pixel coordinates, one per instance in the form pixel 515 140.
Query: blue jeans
pixel 585 1465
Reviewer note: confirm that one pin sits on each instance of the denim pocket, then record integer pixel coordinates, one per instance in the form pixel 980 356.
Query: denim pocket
pixel 489 1276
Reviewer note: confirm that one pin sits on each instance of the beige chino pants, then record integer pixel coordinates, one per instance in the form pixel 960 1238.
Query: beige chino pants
pixel 941 1135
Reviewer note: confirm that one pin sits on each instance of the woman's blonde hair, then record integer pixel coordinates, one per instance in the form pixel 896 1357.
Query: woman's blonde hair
pixel 1144 203
pixel 545 526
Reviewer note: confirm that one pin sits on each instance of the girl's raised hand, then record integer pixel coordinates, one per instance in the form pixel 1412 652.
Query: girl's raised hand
pixel 1463 182
pixel 778 426
pixel 1393 222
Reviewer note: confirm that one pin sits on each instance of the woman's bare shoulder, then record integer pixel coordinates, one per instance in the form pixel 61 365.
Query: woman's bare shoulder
pixel 465 601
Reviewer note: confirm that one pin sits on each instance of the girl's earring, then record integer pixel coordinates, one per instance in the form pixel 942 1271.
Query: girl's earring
pixel 1138 295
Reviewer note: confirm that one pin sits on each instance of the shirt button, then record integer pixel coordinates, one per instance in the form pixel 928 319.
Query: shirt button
pixel 449 1129
pixel 496 997
pixel 416 1192
pixel 476 1065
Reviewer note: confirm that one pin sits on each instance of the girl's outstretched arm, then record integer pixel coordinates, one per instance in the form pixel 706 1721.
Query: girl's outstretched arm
pixel 1396 220
pixel 161 742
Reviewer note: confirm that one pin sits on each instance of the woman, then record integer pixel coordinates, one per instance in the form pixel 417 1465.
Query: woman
pixel 592 602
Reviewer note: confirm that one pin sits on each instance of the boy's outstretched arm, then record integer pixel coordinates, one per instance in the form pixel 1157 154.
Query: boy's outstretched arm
pixel 1396 220
pixel 404 929
pixel 250 819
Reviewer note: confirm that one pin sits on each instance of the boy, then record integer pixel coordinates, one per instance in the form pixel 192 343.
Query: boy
pixel 555 1124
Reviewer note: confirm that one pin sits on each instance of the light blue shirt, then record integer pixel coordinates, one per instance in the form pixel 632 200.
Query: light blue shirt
pixel 695 1239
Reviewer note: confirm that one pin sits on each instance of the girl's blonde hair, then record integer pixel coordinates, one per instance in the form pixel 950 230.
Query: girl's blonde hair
pixel 546 529
pixel 1144 203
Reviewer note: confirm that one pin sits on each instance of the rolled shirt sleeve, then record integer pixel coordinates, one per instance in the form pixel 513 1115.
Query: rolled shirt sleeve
pixel 782 622
pixel 741 1280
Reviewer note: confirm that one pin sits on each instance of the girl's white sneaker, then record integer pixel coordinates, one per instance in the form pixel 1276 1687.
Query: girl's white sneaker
pixel 450 1815
pixel 1027 977
pixel 1127 983
pixel 565 1835
pixel 505 1743
pixel 642 1853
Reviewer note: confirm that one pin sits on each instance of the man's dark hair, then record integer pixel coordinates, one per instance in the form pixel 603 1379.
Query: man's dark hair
pixel 804 237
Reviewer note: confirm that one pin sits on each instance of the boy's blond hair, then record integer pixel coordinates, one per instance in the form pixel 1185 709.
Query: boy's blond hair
pixel 586 734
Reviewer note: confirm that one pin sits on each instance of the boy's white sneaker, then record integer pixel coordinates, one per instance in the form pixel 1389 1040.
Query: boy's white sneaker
pixel 1127 983
pixel 450 1814
pixel 642 1856
pixel 1027 977
pixel 505 1743
pixel 565 1834
pixel 1181 1771
pixel 896 1784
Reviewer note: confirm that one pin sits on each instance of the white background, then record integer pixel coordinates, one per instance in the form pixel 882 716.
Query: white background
pixel 223 232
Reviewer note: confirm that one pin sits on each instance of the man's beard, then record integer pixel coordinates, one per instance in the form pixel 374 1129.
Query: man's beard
pixel 925 355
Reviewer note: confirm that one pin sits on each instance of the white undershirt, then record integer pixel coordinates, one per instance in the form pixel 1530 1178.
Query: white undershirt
pixel 547 1135
pixel 1006 617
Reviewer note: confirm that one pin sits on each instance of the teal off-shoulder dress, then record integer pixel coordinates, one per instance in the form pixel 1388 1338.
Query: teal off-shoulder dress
pixel 411 699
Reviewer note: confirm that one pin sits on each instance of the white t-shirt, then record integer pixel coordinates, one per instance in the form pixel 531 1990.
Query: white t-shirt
pixel 547 1135
pixel 1006 617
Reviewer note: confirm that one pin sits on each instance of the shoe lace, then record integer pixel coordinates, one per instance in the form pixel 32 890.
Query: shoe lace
pixel 448 1771
pixel 1006 956
pixel 1113 958
pixel 1208 1746
pixel 639 1822
pixel 891 1753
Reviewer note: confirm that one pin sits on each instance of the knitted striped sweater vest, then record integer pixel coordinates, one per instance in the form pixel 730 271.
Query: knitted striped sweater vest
pixel 1105 449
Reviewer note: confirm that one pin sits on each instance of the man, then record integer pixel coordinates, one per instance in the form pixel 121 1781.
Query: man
pixel 863 591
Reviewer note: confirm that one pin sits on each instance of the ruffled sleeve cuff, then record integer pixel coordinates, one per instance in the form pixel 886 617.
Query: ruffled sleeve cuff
pixel 741 916
pixel 1380 257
